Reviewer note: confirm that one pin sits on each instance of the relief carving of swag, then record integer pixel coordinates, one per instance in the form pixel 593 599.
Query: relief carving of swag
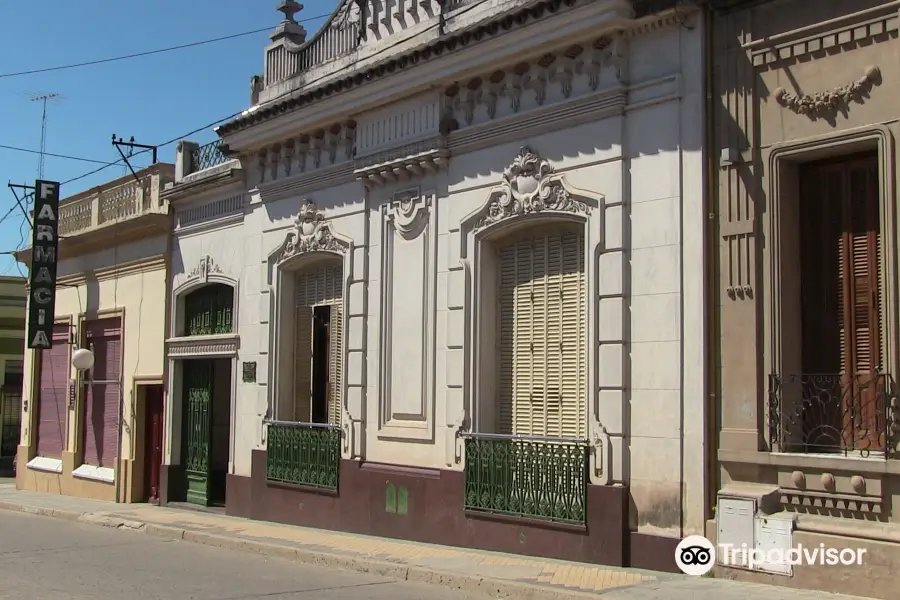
pixel 829 102
pixel 311 233
pixel 528 188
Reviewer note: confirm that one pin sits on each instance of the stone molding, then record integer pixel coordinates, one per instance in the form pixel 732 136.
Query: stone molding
pixel 224 345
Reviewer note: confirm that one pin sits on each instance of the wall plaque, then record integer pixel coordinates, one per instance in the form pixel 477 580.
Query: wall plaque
pixel 249 372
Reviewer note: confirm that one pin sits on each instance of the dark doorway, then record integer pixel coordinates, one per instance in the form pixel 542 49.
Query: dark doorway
pixel 321 321
pixel 153 441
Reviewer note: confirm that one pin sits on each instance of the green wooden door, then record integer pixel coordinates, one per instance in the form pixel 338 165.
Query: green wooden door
pixel 197 400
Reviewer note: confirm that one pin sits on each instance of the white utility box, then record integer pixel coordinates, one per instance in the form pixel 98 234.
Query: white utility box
pixel 735 527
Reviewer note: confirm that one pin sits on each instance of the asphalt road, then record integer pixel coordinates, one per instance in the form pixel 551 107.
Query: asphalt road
pixel 48 559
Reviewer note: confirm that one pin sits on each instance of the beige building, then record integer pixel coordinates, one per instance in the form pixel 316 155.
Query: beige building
pixel 90 433
pixel 804 130
pixel 12 345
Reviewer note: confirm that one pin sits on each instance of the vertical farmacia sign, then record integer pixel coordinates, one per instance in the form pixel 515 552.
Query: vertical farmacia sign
pixel 44 250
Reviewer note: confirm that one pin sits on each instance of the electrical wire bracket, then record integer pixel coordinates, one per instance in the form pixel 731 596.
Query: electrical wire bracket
pixel 131 145
pixel 18 186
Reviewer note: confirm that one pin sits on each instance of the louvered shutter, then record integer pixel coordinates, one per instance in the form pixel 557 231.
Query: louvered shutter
pixel 542 305
pixel 303 328
pixel 52 395
pixel 335 365
pixel 102 392
pixel 841 298
pixel 321 286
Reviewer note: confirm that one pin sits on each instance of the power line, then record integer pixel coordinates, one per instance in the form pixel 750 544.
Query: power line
pixel 66 156
pixel 148 52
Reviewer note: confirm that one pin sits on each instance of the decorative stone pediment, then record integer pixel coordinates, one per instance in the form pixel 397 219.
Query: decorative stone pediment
pixel 206 266
pixel 311 233
pixel 529 187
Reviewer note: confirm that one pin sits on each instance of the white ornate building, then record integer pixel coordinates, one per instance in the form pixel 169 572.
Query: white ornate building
pixel 468 244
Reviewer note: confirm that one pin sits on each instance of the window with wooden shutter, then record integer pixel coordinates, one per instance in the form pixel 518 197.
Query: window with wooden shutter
pixel 543 335
pixel 102 392
pixel 316 288
pixel 303 328
pixel 335 365
pixel 53 395
pixel 841 288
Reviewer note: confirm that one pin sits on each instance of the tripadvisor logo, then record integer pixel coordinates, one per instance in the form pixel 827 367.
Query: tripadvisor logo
pixel 696 555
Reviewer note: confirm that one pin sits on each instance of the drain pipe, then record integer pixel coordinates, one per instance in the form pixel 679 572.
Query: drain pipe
pixel 711 281
pixel 117 474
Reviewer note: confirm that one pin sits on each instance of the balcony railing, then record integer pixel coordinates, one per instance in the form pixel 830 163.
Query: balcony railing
pixel 207 156
pixel 307 454
pixel 833 414
pixel 116 203
pixel 532 477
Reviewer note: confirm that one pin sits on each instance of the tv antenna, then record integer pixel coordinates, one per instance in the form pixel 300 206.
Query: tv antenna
pixel 43 99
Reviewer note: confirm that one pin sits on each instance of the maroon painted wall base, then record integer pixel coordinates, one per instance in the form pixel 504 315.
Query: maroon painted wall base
pixel 433 512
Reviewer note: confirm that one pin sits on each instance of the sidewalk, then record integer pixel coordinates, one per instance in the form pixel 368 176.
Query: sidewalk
pixel 498 575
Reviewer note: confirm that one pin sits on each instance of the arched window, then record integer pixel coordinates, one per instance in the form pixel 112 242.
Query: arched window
pixel 542 333
pixel 208 310
pixel 318 344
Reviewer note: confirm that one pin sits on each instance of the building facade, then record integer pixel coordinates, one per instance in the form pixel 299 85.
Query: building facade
pixel 469 249
pixel 804 131
pixel 12 348
pixel 208 202
pixel 98 433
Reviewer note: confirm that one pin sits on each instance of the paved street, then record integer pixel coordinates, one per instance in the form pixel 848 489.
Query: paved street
pixel 49 559
pixel 64 548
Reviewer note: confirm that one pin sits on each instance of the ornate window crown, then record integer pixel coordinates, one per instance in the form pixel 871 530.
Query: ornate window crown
pixel 311 233
pixel 529 187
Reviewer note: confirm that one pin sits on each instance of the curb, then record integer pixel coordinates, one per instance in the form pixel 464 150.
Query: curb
pixel 465 583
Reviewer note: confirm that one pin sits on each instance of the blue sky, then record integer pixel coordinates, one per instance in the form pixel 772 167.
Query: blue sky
pixel 153 98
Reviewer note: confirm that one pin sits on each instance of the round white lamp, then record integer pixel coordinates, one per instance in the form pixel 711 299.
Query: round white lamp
pixel 82 359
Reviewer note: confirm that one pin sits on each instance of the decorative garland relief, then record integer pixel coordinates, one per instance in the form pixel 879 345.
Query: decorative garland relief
pixel 822 103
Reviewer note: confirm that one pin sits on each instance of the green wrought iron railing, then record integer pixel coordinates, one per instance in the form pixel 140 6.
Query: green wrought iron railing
pixel 208 311
pixel 304 454
pixel 534 477
pixel 208 155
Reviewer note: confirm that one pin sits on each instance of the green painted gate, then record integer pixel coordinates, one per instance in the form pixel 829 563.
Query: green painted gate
pixel 197 401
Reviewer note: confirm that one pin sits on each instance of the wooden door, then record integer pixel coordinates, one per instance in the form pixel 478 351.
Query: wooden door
pixel 153 441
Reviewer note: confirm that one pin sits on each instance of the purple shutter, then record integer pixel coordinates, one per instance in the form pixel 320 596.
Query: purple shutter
pixel 52 395
pixel 102 392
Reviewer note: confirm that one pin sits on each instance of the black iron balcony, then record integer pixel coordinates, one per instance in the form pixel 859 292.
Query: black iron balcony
pixel 833 414
pixel 207 156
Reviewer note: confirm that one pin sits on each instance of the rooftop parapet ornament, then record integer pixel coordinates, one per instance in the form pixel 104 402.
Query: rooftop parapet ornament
pixel 289 28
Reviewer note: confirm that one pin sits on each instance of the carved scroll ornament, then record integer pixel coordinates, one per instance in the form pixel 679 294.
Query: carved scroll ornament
pixel 839 98
pixel 311 234
pixel 528 188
